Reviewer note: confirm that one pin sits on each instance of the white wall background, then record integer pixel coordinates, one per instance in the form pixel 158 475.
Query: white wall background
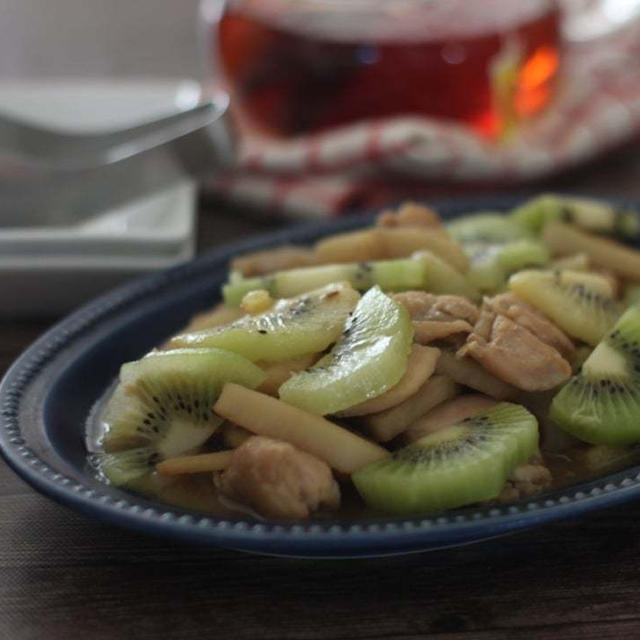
pixel 98 38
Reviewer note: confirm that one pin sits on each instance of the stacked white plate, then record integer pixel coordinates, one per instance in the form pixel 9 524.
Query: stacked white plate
pixel 48 269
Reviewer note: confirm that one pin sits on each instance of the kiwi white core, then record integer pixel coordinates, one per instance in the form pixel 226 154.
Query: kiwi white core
pixel 182 436
pixel 445 435
pixel 593 281
pixel 605 362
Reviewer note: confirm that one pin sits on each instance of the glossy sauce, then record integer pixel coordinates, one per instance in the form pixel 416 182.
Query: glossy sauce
pixel 197 492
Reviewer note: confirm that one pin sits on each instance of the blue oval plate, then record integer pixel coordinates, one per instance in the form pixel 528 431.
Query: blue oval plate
pixel 47 394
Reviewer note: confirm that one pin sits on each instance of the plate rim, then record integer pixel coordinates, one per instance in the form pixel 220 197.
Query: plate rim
pixel 316 538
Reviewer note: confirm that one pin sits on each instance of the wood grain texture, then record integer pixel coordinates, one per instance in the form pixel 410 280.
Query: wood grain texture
pixel 63 576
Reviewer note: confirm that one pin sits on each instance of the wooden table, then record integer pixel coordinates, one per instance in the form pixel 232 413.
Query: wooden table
pixel 65 577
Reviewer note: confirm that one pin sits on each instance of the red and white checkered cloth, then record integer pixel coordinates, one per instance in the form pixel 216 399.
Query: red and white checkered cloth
pixel 597 107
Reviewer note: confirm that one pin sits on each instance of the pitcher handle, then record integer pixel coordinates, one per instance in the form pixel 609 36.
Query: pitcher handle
pixel 586 20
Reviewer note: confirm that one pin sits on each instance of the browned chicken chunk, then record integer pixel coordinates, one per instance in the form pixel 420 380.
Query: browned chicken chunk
pixel 410 214
pixel 437 317
pixel 485 322
pixel 448 413
pixel 528 479
pixel 427 306
pixel 270 260
pixel 533 320
pixel 515 355
pixel 277 480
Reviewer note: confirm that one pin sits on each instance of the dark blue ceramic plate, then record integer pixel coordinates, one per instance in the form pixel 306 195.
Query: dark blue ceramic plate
pixel 47 394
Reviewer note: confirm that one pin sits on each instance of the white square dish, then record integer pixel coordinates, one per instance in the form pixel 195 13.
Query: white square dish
pixel 48 268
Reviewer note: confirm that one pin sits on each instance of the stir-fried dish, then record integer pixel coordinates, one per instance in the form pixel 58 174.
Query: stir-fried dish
pixel 410 367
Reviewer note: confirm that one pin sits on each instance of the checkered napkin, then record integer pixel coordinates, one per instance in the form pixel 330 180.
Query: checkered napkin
pixel 596 108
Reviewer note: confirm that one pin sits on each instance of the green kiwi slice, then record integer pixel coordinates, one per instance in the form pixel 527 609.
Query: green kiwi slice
pixel 600 404
pixel 590 215
pixel 487 228
pixel 442 278
pixel 492 264
pixel 462 464
pixel 496 247
pixel 369 358
pixel 162 407
pixel 392 275
pixel 291 328
pixel 422 271
pixel 577 302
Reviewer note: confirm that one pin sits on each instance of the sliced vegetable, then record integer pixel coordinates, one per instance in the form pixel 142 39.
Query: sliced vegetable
pixel 202 463
pixel 267 416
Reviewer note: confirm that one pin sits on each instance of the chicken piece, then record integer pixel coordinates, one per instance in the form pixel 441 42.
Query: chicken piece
pixel 427 306
pixel 515 355
pixel 447 414
pixel 427 331
pixel 533 320
pixel 410 214
pixel 528 479
pixel 438 317
pixel 485 322
pixel 270 260
pixel 277 480
pixel 279 372
pixel 468 372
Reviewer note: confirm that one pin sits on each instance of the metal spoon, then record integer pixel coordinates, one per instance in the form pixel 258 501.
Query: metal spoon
pixel 50 177
pixel 35 148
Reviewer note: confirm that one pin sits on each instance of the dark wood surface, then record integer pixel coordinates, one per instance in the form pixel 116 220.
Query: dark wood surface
pixel 64 577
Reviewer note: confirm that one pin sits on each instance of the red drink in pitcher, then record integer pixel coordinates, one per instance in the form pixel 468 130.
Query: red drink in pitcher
pixel 299 66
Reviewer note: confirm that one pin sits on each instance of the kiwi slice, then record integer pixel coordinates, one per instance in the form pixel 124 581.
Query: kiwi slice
pixel 492 264
pixel 590 215
pixel 496 247
pixel 575 301
pixel 423 271
pixel 595 282
pixel 391 275
pixel 370 358
pixel 291 328
pixel 162 407
pixel 487 228
pixel 388 243
pixel 520 254
pixel 565 239
pixel 441 278
pixel 600 404
pixel 467 462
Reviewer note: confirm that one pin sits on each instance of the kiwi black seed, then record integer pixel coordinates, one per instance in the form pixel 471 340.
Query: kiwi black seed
pixel 292 328
pixel 584 310
pixel 365 362
pixel 465 463
pixel 163 407
pixel 601 404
